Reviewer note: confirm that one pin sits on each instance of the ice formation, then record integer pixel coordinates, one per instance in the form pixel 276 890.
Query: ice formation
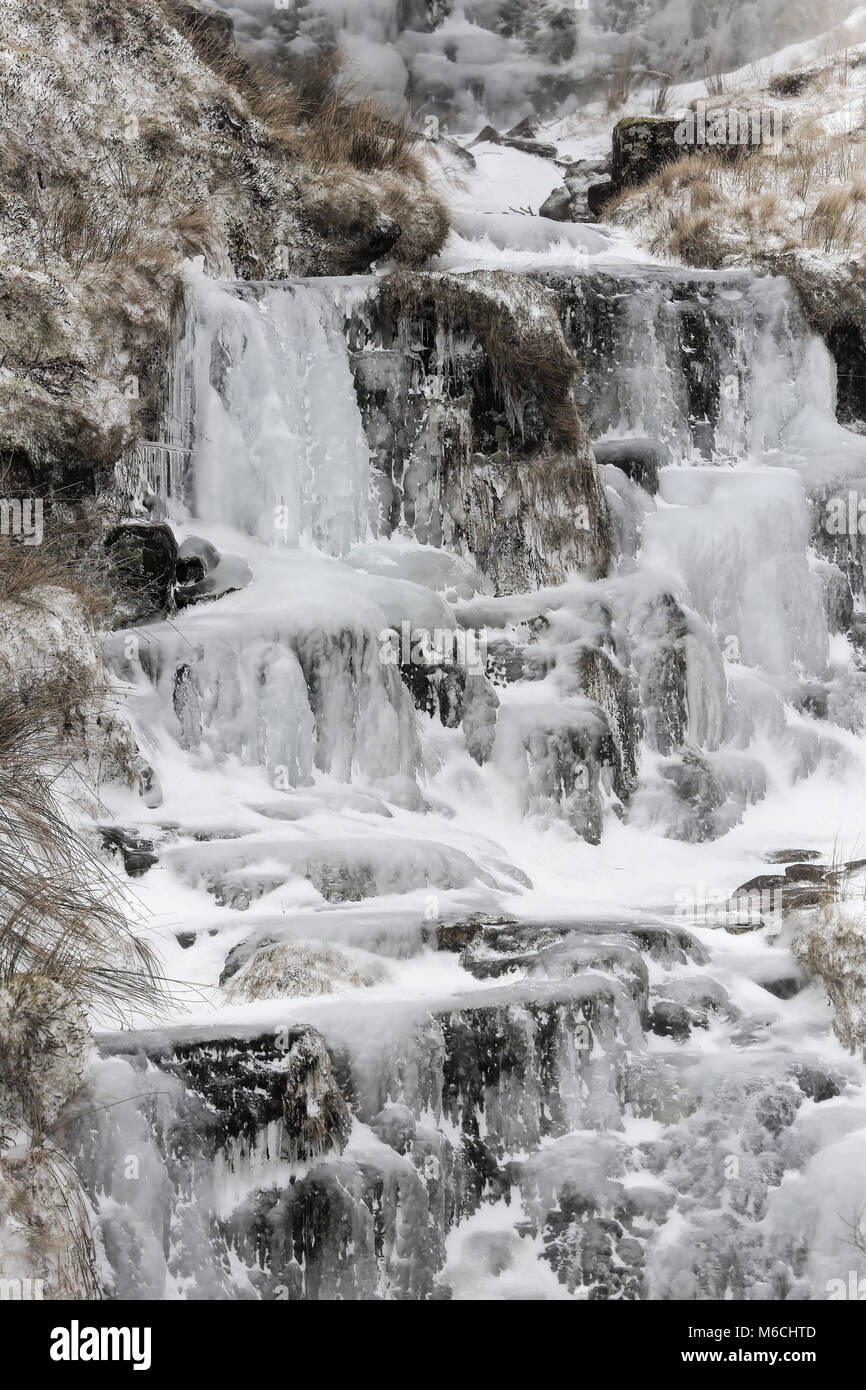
pixel 458 1021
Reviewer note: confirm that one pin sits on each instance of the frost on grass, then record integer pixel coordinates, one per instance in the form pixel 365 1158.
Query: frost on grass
pixel 65 947
pixel 832 945
pixel 130 146
pixel 794 206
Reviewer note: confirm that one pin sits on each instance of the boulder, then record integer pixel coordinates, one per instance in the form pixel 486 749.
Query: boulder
pixel 142 556
pixel 204 574
pixel 536 147
pixel 557 206
pixel 137 853
pixel 527 129
pixel 489 135
pixel 641 146
pixel 792 856
pixel 805 873
pixel 518 138
pixel 196 557
pixel 639 459
pixel 598 193
pixel 293 969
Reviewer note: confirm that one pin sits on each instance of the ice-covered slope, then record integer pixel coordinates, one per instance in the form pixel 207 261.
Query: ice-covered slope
pixel 448 937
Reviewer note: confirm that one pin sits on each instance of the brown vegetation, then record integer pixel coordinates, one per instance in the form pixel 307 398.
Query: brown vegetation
pixel 527 350
pixel 60 914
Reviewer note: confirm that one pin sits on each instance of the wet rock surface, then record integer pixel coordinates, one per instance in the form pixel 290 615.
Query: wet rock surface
pixel 334 1162
pixel 142 556
pixel 425 1074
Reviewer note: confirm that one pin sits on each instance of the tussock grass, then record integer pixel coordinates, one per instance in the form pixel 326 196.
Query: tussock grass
pixel 710 211
pixel 141 222
pixel 61 915
pixel 311 108
pixel 69 557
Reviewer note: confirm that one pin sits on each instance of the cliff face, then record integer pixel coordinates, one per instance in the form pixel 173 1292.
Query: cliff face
pixel 124 153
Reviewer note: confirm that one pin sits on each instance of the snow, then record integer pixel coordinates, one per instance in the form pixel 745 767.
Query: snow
pixel 310 808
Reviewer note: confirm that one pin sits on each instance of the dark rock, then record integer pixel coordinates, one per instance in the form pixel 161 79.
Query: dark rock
pixel 792 856
pixel 784 986
pixel 196 557
pixel 436 689
pixel 640 459
pixel 671 1020
pixel 205 575
pixel 456 936
pixel 641 146
pixel 365 244
pixel 282 1075
pixel 762 883
pixel 508 661
pixel 805 873
pixel 185 939
pixel 149 788
pixel 143 556
pixel 525 525
pixel 818 1085
pixel 557 206
pixel 137 853
pixel 527 129
pixel 773 892
pixel 531 147
pixel 598 193
pixel 737 925
pixel 488 136
pixel 846 344
pixel 814 896
pixel 190 571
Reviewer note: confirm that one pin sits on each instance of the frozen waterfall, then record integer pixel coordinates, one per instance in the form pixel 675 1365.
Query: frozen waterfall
pixel 458 1019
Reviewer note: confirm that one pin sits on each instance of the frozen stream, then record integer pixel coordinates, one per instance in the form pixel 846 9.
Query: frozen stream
pixel 548 1070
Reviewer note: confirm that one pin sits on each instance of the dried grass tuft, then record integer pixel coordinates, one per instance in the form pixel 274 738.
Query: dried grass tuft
pixel 61 914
